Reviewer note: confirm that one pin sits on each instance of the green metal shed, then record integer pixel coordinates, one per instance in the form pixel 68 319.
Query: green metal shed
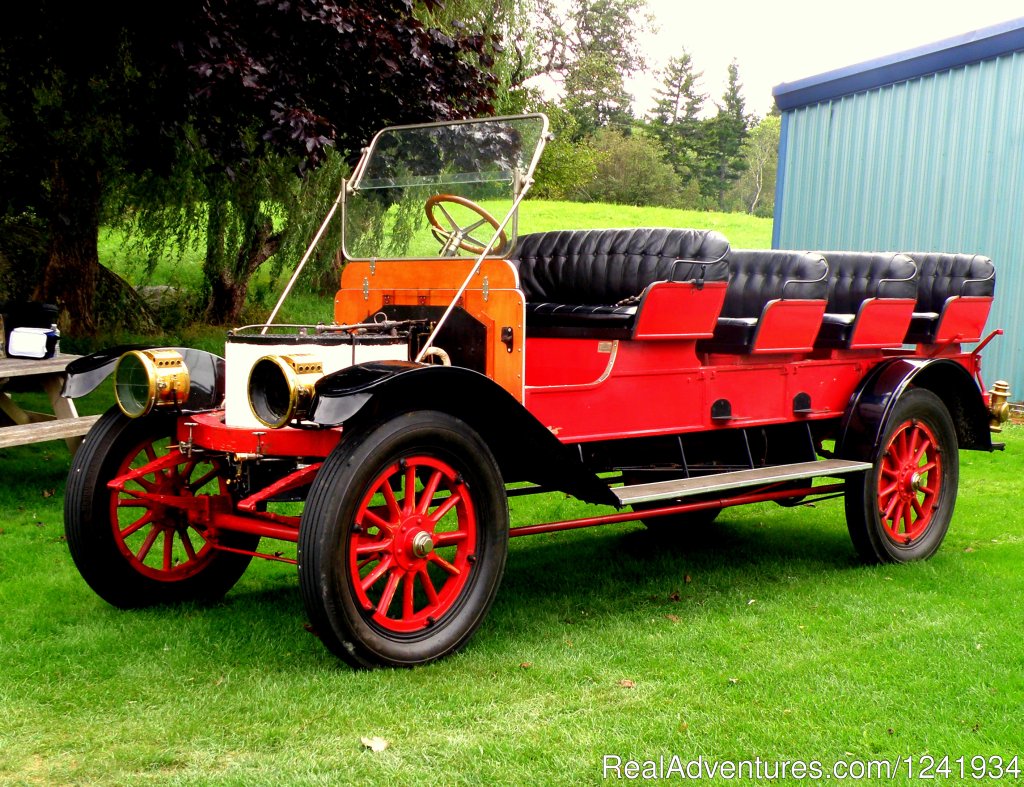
pixel 918 151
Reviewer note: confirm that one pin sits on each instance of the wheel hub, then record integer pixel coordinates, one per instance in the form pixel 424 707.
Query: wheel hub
pixel 422 544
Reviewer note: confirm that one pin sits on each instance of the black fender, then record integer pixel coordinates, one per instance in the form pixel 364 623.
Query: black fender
pixel 524 448
pixel 205 370
pixel 860 433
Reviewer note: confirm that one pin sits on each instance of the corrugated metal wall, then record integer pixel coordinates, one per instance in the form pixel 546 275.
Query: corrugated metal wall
pixel 931 164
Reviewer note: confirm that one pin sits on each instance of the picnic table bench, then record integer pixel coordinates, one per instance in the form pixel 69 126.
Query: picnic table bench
pixel 22 427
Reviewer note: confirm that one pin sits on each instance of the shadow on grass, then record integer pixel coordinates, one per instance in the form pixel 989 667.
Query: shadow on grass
pixel 610 572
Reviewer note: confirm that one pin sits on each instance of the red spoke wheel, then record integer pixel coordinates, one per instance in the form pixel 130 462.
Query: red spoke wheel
pixel 403 540
pixel 138 545
pixel 901 509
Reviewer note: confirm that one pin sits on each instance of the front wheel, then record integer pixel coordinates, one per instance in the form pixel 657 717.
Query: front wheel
pixel 403 541
pixel 900 510
pixel 133 545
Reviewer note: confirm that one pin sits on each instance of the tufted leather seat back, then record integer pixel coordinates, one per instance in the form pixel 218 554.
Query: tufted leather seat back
pixel 759 276
pixel 855 276
pixel 606 266
pixel 943 276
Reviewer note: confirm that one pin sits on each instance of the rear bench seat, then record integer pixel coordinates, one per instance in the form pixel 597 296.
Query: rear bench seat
pixel 588 282
pixel 954 295
pixel 871 297
pixel 773 303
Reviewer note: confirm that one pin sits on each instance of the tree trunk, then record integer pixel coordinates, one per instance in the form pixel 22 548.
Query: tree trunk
pixel 227 275
pixel 69 279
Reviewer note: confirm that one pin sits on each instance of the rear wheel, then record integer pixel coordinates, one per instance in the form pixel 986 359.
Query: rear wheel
pixel 403 541
pixel 132 545
pixel 900 510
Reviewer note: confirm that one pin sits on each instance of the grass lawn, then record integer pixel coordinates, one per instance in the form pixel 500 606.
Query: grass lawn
pixel 763 638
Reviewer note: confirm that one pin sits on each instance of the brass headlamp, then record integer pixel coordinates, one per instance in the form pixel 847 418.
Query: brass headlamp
pixel 281 387
pixel 144 379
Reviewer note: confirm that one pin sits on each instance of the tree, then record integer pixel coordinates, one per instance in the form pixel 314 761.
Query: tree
pixel 631 170
pixel 211 92
pixel 677 116
pixel 567 166
pixel 562 34
pixel 755 189
pixel 725 133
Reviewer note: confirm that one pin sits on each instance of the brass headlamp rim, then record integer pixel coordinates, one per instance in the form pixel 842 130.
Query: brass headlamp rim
pixel 150 368
pixel 297 388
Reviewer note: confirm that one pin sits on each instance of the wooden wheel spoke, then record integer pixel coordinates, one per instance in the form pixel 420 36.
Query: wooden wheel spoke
pixel 447 539
pixel 168 548
pixel 380 570
pixel 408 595
pixel 147 544
pixel 394 509
pixel 454 499
pixel 436 558
pixel 186 542
pixel 428 585
pixel 390 587
pixel 138 524
pixel 429 490
pixel 372 519
pixel 367 547
pixel 409 500
pixel 203 480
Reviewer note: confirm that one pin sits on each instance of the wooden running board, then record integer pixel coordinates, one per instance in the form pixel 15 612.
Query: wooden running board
pixel 719 482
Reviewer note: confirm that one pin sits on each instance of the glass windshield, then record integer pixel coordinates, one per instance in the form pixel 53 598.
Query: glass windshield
pixel 441 190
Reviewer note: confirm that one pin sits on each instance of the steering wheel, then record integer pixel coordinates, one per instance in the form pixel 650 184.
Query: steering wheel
pixel 455 237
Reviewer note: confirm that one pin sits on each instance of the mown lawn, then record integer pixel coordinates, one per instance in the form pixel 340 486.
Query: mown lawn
pixel 763 638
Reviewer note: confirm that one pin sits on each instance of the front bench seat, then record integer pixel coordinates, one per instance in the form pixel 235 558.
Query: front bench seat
pixel 576 281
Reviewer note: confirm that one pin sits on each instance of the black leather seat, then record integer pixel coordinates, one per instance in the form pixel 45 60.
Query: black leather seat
pixel 758 276
pixel 576 280
pixel 944 276
pixel 855 276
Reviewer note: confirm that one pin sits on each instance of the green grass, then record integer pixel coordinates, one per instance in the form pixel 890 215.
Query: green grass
pixel 766 638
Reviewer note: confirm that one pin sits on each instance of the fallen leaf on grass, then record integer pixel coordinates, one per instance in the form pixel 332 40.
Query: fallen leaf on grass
pixel 734 681
pixel 626 683
pixel 687 579
pixel 673 618
pixel 968 549
pixel 525 665
pixel 376 743
pixel 48 492
pixel 752 601
pixel 673 596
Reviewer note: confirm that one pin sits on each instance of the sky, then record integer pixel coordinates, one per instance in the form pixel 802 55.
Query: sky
pixel 787 40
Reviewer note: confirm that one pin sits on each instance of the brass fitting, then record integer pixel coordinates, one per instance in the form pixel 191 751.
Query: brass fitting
pixel 998 405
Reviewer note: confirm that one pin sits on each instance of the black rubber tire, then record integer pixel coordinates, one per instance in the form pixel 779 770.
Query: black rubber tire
pixel 863 515
pixel 90 534
pixel 339 620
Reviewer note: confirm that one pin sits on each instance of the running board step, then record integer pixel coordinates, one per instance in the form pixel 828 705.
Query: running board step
pixel 685 487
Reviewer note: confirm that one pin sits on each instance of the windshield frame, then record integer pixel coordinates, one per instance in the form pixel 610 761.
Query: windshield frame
pixel 520 184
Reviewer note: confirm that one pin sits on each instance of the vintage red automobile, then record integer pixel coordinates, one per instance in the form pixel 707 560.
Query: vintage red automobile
pixel 655 371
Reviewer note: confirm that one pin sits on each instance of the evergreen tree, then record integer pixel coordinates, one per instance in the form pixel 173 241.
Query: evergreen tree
pixel 725 133
pixel 676 123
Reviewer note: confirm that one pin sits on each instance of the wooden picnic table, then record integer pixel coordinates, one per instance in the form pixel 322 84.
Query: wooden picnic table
pixel 25 427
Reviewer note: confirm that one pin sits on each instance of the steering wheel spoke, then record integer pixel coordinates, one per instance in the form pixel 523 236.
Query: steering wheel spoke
pixel 457 236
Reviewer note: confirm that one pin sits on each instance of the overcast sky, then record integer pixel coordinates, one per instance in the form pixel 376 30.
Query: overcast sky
pixel 783 41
